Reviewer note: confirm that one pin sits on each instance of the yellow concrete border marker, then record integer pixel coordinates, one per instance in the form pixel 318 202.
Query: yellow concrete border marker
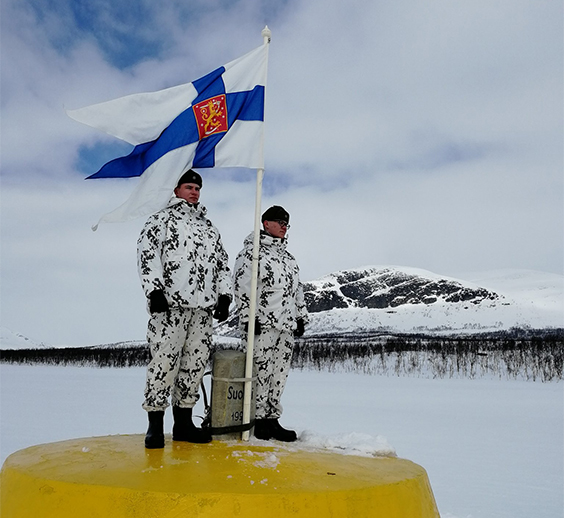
pixel 115 477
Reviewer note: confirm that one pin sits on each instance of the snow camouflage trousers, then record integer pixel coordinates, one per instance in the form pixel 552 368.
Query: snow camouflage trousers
pixel 180 342
pixel 272 357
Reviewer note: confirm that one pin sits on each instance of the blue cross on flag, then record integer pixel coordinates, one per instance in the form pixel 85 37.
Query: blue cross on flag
pixel 215 121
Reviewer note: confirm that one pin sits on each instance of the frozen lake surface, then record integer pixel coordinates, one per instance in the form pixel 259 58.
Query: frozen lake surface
pixel 491 448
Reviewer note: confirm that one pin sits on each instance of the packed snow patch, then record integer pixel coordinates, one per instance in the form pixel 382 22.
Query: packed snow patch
pixel 359 444
pixel 260 459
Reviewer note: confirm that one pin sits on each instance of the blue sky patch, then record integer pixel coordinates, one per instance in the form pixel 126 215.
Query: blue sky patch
pixel 91 158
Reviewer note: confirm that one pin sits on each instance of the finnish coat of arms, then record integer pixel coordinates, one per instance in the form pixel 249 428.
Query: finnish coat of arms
pixel 211 116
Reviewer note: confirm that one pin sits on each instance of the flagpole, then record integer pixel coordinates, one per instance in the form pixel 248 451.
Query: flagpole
pixel 254 283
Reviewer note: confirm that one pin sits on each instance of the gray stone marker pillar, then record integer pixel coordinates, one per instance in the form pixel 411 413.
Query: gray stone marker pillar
pixel 228 387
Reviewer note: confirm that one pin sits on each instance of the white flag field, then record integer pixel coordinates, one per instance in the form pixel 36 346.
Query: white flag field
pixel 214 121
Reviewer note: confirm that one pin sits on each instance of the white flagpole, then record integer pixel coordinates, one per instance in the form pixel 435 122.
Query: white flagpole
pixel 254 282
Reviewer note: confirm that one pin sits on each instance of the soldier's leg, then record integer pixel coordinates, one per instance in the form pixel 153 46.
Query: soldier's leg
pixel 264 368
pixel 166 336
pixel 281 359
pixel 194 358
pixel 280 356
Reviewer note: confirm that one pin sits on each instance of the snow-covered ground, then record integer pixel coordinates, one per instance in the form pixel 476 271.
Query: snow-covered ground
pixel 491 448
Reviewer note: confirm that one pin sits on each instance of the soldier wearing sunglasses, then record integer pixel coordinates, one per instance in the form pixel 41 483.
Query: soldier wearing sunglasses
pixel 280 315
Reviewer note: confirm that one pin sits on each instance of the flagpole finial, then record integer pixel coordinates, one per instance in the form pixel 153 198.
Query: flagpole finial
pixel 266 34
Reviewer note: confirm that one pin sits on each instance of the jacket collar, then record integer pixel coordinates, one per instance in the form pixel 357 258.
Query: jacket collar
pixel 267 239
pixel 182 204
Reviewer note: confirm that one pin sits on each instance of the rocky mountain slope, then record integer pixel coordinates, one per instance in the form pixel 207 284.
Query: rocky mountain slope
pixel 392 299
pixel 383 288
pixel 413 300
pixel 409 300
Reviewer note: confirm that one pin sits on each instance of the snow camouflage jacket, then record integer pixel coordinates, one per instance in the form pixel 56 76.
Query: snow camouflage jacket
pixel 180 251
pixel 280 297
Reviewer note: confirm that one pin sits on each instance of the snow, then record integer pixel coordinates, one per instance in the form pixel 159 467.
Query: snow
pixel 545 290
pixel 492 448
pixel 528 299
pixel 11 340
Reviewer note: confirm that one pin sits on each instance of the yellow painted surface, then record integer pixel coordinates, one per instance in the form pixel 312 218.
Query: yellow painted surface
pixel 116 477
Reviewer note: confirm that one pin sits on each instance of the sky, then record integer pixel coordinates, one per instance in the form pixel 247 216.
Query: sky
pixel 424 134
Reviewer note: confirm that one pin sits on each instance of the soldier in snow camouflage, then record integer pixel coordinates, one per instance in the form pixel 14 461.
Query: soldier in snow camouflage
pixel 184 274
pixel 280 315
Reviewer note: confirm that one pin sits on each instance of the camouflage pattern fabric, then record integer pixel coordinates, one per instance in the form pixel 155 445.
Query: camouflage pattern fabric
pixel 280 302
pixel 180 342
pixel 280 297
pixel 180 252
pixel 272 357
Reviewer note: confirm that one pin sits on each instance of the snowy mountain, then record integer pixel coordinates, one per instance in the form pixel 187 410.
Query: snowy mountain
pixel 11 340
pixel 409 300
pixel 387 287
pixel 393 299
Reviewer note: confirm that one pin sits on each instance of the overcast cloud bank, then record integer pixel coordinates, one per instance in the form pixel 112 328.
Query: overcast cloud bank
pixel 425 134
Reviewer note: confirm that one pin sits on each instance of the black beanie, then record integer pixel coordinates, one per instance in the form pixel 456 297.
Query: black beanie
pixel 276 213
pixel 190 176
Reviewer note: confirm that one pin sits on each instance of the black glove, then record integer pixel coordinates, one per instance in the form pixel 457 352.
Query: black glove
pixel 222 308
pixel 157 302
pixel 299 331
pixel 257 327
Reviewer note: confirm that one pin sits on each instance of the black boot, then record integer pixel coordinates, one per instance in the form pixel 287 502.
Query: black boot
pixel 262 429
pixel 281 434
pixel 184 429
pixel 155 434
pixel 266 429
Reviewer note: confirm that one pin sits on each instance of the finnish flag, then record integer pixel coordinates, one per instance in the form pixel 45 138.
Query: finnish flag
pixel 215 121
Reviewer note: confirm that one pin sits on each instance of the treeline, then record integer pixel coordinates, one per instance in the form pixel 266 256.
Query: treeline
pixel 517 354
pixel 133 356
pixel 536 355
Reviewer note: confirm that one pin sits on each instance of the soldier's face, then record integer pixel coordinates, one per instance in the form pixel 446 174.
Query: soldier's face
pixel 189 192
pixel 276 228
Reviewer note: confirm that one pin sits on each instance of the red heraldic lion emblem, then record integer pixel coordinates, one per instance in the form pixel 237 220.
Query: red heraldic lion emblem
pixel 211 116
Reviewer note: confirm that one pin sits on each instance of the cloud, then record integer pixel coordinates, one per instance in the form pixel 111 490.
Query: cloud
pixel 424 134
